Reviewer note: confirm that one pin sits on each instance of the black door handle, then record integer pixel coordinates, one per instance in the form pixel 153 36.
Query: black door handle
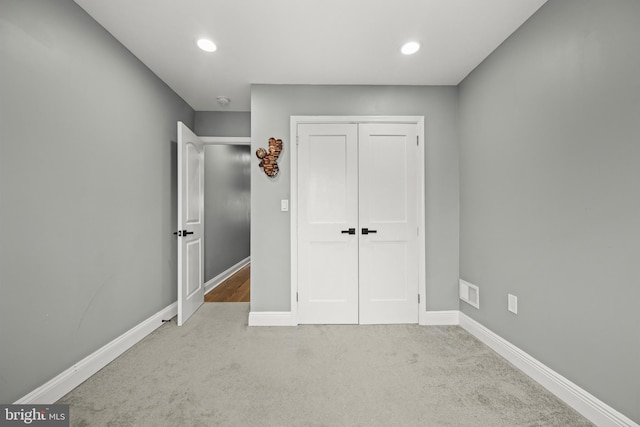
pixel 349 231
pixel 367 231
pixel 185 232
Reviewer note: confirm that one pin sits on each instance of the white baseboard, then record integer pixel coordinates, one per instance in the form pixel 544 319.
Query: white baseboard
pixel 271 318
pixel 62 384
pixel 579 399
pixel 211 284
pixel 440 318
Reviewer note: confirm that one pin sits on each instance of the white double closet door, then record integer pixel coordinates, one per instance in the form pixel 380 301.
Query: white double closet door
pixel 357 223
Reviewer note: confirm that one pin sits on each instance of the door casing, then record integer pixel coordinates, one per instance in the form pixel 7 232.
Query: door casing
pixel 417 120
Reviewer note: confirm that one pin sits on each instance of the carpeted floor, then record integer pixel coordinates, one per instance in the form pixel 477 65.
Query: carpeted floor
pixel 216 370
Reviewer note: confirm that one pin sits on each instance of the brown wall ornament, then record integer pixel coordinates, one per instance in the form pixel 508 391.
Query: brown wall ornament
pixel 269 159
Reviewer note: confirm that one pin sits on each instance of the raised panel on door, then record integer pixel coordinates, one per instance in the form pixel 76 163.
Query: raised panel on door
pixel 388 206
pixel 328 205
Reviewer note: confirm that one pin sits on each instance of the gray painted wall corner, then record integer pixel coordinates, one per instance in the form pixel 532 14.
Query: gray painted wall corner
pixel 273 105
pixel 549 208
pixel 88 191
pixel 222 123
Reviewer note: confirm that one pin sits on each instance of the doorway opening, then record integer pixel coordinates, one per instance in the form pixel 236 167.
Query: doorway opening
pixel 227 193
pixel 225 178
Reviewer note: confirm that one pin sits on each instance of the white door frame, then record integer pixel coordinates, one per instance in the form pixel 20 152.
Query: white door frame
pixel 225 140
pixel 419 121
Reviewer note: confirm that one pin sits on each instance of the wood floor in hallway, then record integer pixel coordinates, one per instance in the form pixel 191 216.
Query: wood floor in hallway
pixel 234 289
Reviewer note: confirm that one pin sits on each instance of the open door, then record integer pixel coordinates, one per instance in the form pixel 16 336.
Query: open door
pixel 190 223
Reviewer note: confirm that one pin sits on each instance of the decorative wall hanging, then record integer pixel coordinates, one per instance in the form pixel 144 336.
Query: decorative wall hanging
pixel 269 159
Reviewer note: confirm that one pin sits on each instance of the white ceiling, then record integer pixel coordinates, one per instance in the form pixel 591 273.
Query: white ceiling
pixel 306 41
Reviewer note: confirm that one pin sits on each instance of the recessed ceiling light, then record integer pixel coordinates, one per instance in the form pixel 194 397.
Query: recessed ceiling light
pixel 207 45
pixel 410 48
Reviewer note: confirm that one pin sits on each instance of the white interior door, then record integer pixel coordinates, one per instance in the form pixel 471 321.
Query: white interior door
pixel 190 223
pixel 388 223
pixel 359 177
pixel 327 209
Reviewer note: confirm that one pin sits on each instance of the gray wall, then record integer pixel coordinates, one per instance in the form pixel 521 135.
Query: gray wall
pixel 87 191
pixel 227 203
pixel 222 123
pixel 550 208
pixel 271 108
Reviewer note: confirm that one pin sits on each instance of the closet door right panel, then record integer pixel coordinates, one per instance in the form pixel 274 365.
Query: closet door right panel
pixel 388 223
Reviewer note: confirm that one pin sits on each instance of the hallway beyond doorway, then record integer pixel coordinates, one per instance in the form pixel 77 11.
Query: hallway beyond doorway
pixel 235 289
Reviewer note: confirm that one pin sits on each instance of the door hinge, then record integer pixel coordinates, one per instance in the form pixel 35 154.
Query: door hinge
pixel 418 298
pixel 296 297
pixel 297 140
pixel 417 139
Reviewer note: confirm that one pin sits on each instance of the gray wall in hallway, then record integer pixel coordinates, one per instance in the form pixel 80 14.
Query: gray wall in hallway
pixel 87 188
pixel 271 108
pixel 550 209
pixel 227 203
pixel 222 123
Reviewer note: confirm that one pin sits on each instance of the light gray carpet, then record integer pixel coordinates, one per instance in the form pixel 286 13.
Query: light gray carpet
pixel 216 370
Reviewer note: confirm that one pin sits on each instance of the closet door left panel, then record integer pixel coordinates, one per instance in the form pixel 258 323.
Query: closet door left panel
pixel 328 209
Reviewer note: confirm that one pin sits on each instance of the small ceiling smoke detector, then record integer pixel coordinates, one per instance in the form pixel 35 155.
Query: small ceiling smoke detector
pixel 223 100
pixel 207 45
pixel 410 48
